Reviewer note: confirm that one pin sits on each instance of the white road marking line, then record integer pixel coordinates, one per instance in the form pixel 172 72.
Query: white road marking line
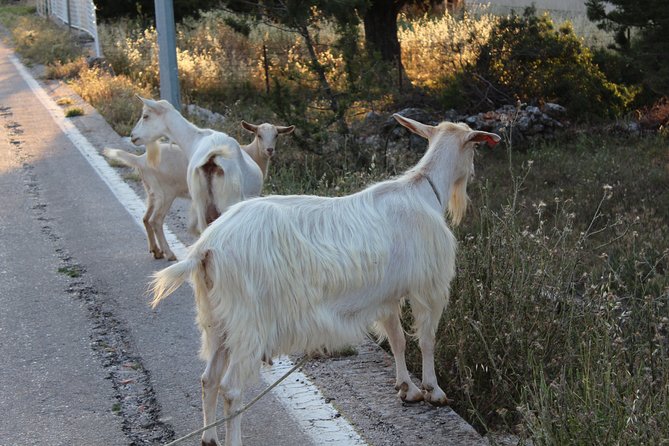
pixel 318 419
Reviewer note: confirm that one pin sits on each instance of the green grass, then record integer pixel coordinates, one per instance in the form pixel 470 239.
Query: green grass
pixel 74 111
pixel 71 271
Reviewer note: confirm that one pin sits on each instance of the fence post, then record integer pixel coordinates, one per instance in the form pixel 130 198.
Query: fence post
pixel 167 52
pixel 266 64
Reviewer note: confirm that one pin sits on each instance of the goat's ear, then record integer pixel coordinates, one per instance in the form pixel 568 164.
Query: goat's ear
pixel 478 136
pixel 250 127
pixel 285 130
pixel 155 106
pixel 424 130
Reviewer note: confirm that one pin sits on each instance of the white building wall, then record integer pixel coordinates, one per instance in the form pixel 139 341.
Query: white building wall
pixel 566 6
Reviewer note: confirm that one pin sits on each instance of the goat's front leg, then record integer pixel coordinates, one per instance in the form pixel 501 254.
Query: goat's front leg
pixel 427 321
pixel 433 393
pixel 406 389
pixel 211 380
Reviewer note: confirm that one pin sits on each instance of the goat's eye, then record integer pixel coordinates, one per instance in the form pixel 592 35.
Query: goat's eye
pixel 145 117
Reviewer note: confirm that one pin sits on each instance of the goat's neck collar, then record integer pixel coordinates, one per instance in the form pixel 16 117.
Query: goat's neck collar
pixel 434 189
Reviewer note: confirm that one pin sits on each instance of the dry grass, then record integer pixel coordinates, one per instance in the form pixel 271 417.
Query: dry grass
pixel 113 96
pixel 41 41
pixel 435 49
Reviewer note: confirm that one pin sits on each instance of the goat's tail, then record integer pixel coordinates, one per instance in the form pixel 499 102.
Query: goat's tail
pixel 166 281
pixel 123 157
pixel 214 186
pixel 226 189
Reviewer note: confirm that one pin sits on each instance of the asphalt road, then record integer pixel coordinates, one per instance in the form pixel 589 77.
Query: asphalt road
pixel 84 361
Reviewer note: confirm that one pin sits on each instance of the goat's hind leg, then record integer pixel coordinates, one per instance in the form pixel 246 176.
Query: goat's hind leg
pixel 232 390
pixel 157 221
pixel 406 389
pixel 150 234
pixel 211 381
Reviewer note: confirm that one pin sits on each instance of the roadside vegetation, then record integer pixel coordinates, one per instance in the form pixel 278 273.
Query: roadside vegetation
pixel 558 326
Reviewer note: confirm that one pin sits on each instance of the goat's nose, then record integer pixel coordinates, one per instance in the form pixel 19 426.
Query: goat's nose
pixel 270 151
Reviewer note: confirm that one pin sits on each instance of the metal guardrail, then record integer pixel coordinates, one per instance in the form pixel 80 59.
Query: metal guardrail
pixel 78 14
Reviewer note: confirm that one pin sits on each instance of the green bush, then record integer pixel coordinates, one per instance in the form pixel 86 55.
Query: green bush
pixel 528 59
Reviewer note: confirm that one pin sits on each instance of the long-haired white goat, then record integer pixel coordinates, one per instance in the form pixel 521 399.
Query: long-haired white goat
pixel 286 274
pixel 219 174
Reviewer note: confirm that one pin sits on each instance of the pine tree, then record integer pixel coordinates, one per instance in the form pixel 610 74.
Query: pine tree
pixel 641 32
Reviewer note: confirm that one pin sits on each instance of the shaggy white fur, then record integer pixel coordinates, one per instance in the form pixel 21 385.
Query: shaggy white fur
pixel 292 274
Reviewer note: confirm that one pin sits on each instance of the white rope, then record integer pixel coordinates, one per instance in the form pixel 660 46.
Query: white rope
pixel 299 364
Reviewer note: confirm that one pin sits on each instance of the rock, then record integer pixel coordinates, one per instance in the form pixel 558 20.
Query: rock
pixel 209 117
pixel 417 114
pixel 554 110
pixel 533 110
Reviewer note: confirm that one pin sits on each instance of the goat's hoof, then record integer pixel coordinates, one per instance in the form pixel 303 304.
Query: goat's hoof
pixel 409 393
pixel 210 443
pixel 435 396
pixel 157 254
pixel 171 257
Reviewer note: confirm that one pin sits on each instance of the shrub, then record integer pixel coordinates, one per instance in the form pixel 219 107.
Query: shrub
pixel 528 59
pixel 435 49
pixel 68 70
pixel 113 96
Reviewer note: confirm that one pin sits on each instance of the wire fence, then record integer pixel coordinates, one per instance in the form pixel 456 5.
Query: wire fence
pixel 77 14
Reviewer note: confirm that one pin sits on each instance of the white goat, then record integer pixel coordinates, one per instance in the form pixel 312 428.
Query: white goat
pixel 162 169
pixel 261 149
pixel 219 173
pixel 285 274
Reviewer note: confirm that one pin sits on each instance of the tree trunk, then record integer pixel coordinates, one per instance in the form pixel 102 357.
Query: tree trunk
pixel 381 29
pixel 325 85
